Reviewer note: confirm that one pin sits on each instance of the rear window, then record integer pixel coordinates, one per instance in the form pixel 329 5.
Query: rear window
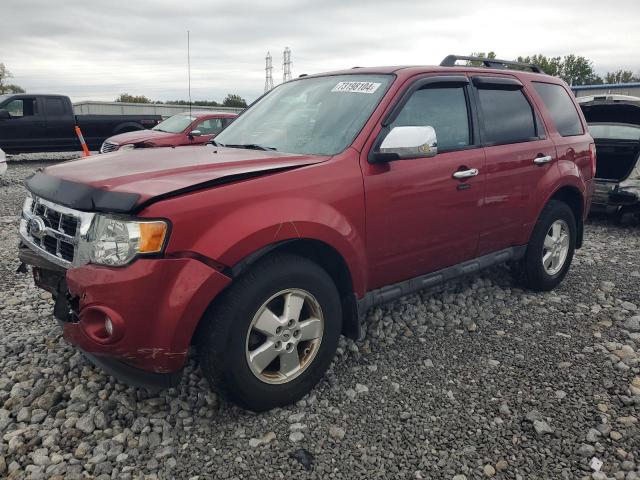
pixel 55 106
pixel 561 107
pixel 507 116
pixel 614 131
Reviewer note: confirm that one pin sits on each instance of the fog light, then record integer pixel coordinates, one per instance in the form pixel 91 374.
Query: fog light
pixel 108 326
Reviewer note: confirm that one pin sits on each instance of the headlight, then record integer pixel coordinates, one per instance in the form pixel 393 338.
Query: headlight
pixel 117 241
pixel 128 146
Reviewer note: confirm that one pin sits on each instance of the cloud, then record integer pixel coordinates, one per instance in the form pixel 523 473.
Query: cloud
pixel 96 50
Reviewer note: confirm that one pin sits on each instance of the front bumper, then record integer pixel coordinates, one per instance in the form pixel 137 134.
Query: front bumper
pixel 154 304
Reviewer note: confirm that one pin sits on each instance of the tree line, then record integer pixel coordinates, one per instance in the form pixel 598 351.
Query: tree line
pixel 231 100
pixel 573 69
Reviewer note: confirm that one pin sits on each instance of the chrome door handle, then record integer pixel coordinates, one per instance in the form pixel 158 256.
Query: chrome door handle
pixel 460 174
pixel 542 160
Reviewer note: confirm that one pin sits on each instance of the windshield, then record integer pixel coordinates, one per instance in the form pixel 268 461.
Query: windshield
pixel 175 124
pixel 316 116
pixel 615 131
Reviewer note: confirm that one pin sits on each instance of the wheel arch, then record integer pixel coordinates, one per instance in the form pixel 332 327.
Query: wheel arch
pixel 574 198
pixel 326 257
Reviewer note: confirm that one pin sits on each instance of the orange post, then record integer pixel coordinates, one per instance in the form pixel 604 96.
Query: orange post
pixel 85 149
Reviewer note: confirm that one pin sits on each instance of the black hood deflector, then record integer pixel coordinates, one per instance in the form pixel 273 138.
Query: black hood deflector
pixel 91 199
pixel 80 196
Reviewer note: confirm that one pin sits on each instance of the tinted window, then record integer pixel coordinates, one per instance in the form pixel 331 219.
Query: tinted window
pixel 55 106
pixel 563 111
pixel 444 109
pixel 507 116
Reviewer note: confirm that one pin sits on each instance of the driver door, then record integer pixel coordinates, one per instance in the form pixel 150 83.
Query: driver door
pixel 26 129
pixel 419 217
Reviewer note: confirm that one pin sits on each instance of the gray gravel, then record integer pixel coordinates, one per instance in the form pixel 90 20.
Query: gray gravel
pixel 477 379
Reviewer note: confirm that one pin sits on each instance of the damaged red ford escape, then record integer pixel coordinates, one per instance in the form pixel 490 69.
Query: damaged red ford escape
pixel 329 195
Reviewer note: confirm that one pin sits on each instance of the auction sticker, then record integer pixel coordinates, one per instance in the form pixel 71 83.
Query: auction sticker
pixel 356 87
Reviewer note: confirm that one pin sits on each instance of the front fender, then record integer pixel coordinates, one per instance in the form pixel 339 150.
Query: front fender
pixel 237 235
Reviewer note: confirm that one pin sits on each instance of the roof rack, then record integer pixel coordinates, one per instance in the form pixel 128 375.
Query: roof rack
pixel 450 61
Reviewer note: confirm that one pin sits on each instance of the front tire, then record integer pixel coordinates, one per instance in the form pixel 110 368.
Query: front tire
pixel 550 249
pixel 272 335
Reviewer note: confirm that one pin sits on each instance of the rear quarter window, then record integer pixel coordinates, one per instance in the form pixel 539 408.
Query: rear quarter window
pixel 561 108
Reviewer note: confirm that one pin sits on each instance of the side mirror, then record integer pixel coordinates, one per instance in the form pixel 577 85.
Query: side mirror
pixel 195 133
pixel 407 142
pixel 4 114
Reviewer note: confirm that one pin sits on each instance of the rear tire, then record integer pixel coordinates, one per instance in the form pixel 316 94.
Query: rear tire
pixel 271 336
pixel 550 249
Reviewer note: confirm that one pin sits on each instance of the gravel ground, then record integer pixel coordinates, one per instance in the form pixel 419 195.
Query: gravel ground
pixel 477 379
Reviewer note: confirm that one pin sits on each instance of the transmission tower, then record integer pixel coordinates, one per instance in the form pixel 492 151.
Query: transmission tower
pixel 268 82
pixel 286 65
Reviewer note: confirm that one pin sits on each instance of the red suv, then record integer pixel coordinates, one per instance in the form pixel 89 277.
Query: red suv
pixel 331 194
pixel 181 129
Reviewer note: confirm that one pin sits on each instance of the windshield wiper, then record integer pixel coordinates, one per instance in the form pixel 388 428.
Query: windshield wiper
pixel 248 146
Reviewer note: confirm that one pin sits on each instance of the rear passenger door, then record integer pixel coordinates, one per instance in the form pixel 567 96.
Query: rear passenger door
pixel 518 154
pixel 60 123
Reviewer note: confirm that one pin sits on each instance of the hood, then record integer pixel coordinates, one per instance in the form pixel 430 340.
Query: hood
pixel 123 181
pixel 139 136
pixel 611 109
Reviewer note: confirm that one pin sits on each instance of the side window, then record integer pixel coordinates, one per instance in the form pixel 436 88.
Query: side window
pixel 210 126
pixel 444 109
pixel 561 107
pixel 54 106
pixel 507 116
pixel 22 107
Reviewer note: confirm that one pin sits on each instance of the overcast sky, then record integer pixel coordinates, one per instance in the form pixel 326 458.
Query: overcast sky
pixel 94 49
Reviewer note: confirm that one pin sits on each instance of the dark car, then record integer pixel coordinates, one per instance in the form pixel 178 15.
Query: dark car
pixel 614 123
pixel 181 129
pixel 46 123
pixel 331 194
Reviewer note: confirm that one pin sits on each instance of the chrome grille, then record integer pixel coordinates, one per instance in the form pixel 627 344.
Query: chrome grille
pixel 108 147
pixel 53 231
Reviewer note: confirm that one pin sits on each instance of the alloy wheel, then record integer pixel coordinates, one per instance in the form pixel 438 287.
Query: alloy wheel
pixel 284 336
pixel 556 247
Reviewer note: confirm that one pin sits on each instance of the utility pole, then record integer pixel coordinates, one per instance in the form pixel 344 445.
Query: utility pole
pixel 286 65
pixel 268 82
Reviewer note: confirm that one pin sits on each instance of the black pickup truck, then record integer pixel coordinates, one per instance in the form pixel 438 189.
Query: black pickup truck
pixel 46 123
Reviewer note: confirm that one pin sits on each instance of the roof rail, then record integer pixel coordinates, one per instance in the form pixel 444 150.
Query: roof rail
pixel 450 61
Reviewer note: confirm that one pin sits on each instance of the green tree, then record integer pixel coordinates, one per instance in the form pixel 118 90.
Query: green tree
pixel 578 70
pixel 475 63
pixel 234 100
pixel 550 65
pixel 621 76
pixel 7 87
pixel 126 98
pixel 198 103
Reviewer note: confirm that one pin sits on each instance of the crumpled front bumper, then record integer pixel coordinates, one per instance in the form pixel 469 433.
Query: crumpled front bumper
pixel 154 304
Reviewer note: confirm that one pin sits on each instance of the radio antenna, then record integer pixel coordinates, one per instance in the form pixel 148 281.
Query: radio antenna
pixel 189 68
